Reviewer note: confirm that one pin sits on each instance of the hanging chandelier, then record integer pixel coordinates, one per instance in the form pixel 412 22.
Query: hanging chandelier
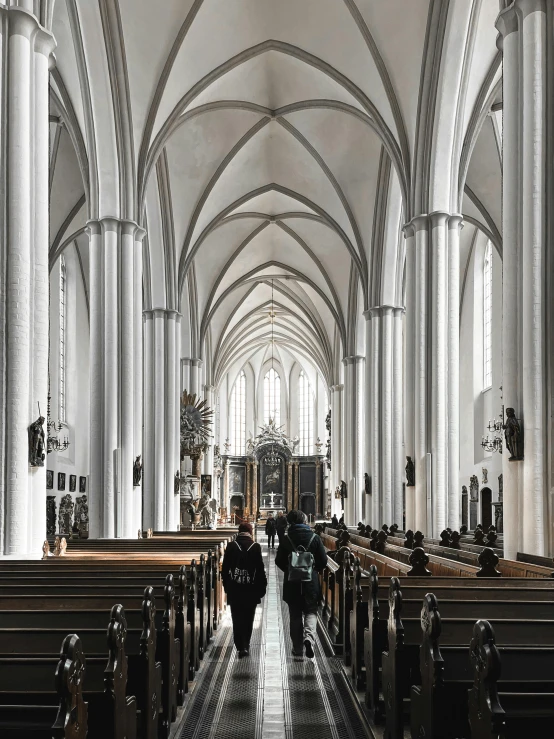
pixel 272 459
pixel 53 428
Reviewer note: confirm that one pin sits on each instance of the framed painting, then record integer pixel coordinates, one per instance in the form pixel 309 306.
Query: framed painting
pixel 72 483
pixel 61 480
pixel 82 484
pixel 49 479
pixel 206 485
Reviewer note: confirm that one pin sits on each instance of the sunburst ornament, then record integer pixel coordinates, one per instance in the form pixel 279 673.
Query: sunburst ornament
pixel 196 421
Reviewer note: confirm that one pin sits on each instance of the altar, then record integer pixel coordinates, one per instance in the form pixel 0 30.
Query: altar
pixel 272 478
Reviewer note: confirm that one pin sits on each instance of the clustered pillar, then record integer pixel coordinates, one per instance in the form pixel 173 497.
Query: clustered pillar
pixel 432 371
pixel 162 333
pixel 384 386
pixel 24 158
pixel 113 350
pixel 354 437
pixel 527 297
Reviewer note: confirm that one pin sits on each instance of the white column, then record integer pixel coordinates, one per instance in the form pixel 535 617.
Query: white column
pixel 439 369
pixel 386 391
pixel 161 447
pixel 420 395
pixel 509 40
pixel 409 370
pixel 337 460
pixel 43 45
pixel 532 22
pixel 397 418
pixel 453 490
pixel 113 287
pixel 138 365
pixel 527 282
pixel 354 374
pixel 148 480
pixel 25 49
pixel 374 420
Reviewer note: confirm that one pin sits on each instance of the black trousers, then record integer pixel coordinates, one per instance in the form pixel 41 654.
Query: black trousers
pixel 243 623
pixel 271 540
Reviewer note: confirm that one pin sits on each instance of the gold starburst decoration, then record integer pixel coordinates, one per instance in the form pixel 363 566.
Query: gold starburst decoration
pixel 196 420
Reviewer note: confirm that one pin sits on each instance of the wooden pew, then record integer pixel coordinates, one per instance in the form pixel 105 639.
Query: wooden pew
pixel 112 712
pixel 400 661
pixel 495 707
pixel 52 691
pixel 77 593
pixel 439 705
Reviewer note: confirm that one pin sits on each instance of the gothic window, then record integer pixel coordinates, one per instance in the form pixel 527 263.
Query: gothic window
pixel 487 317
pixel 272 397
pixel 238 415
pixel 306 414
pixel 63 346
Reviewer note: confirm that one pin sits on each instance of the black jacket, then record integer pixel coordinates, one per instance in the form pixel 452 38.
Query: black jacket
pixel 254 592
pixel 306 594
pixel 270 527
pixel 281 524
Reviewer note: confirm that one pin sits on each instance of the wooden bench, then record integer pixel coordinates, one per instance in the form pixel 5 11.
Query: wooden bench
pixel 27 695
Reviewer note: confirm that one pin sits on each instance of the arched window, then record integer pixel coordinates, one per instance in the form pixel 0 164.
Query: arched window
pixel 272 397
pixel 487 317
pixel 306 414
pixel 63 331
pixel 238 415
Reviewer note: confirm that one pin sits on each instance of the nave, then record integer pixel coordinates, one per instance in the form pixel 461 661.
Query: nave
pixel 272 694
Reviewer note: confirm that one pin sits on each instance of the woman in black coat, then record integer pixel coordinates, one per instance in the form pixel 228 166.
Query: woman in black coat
pixel 245 583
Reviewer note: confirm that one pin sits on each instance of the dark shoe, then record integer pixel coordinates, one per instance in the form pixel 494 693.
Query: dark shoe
pixel 309 648
pixel 244 653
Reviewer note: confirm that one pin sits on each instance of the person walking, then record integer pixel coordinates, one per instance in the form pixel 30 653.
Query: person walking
pixel 270 531
pixel 245 583
pixel 302 598
pixel 280 526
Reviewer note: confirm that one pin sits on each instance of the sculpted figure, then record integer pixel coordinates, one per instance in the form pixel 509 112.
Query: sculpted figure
pixel 410 472
pixel 36 443
pixel 513 435
pixel 137 471
pixel 367 483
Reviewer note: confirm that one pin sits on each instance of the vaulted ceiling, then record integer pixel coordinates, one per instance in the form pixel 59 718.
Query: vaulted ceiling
pixel 271 145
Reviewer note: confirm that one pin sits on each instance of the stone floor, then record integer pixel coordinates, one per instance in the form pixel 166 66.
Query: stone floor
pixel 271 694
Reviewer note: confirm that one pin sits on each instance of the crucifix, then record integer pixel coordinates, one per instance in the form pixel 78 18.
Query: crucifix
pixel 271 498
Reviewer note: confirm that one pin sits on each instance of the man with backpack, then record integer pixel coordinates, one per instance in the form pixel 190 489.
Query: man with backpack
pixel 245 583
pixel 301 555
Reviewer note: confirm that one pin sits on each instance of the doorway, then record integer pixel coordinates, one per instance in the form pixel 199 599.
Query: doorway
pixel 486 508
pixel 307 504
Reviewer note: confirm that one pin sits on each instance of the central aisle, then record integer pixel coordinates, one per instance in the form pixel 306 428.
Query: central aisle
pixel 270 694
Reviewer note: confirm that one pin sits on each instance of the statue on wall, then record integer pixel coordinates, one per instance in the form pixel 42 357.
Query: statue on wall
pixel 250 444
pixel 514 436
pixel 318 445
pixel 500 487
pixel 343 493
pixel 81 524
pixel 36 443
pixel 474 487
pixel 485 472
pixel 367 483
pixel 137 472
pixel 205 511
pixel 65 515
pixel 464 489
pixel 177 483
pixel 410 473
pixel 50 515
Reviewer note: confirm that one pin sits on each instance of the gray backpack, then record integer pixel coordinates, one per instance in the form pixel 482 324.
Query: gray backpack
pixel 301 563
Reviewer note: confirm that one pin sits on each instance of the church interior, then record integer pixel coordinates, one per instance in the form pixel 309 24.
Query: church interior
pixel 259 257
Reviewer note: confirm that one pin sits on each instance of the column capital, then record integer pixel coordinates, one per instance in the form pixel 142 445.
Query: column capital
pixel 337 388
pixel 24 23
pixel 418 223
pixel 526 7
pixel 456 220
pixel 161 313
pixel 354 359
pixel 121 226
pixel 506 23
pixel 191 362
pixel 438 218
pixel 377 311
